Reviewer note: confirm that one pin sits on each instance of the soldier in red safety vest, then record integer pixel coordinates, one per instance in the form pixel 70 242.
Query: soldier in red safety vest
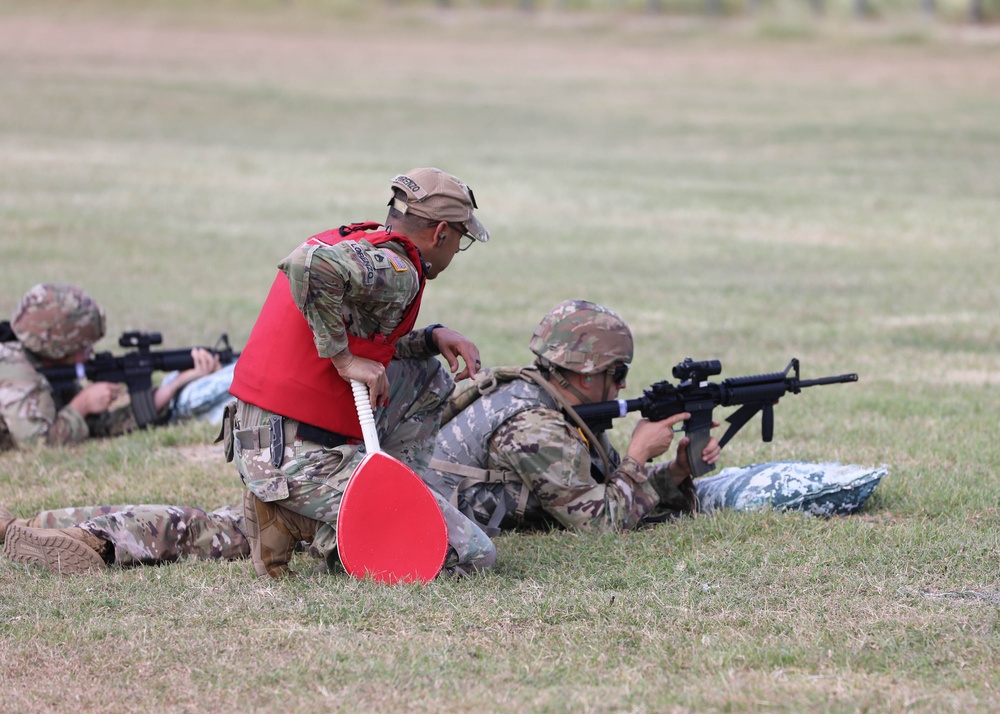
pixel 344 306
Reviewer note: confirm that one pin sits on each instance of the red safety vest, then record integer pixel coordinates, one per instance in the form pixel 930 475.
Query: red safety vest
pixel 279 369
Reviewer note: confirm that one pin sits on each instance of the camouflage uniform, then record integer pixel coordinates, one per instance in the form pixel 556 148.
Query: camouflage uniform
pixel 52 321
pixel 149 534
pixel 29 410
pixel 356 286
pixel 542 470
pixel 509 456
pixel 311 478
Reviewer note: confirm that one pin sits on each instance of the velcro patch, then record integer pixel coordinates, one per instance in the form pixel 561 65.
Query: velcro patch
pixel 413 186
pixel 366 263
pixel 398 263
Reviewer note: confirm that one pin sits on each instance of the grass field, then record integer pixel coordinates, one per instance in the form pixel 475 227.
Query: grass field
pixel 735 192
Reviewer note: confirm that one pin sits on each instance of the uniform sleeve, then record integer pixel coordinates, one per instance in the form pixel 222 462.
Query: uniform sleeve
pixel 349 286
pixel 672 497
pixel 553 459
pixel 413 345
pixel 29 411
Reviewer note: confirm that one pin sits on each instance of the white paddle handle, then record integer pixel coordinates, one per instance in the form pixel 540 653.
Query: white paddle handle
pixel 363 402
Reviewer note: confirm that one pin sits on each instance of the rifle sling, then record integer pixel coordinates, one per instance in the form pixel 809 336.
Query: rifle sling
pixel 536 377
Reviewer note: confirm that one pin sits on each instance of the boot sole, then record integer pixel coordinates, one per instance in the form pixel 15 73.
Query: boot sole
pixel 55 552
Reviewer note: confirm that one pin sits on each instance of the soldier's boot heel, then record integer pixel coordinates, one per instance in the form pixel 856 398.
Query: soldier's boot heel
pixel 67 551
pixel 8 519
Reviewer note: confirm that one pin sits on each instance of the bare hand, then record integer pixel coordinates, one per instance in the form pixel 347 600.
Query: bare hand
pixel 652 438
pixel 95 398
pixel 451 345
pixel 205 362
pixel 367 372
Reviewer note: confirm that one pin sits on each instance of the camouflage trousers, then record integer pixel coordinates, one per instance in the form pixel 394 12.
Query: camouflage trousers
pixel 310 479
pixel 148 534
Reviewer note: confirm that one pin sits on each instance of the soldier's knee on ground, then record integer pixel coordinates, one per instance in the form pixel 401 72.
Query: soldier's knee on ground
pixel 468 544
pixel 487 558
pixel 474 555
pixel 453 569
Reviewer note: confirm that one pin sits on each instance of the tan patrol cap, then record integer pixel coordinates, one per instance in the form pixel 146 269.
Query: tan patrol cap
pixel 437 195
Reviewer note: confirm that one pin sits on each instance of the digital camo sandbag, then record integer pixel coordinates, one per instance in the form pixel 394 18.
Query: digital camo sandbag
pixel 821 489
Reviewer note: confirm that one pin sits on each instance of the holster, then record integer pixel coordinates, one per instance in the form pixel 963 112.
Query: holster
pixel 229 425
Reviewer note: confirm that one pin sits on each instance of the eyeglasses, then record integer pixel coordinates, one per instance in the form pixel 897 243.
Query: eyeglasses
pixel 466 239
pixel 619 374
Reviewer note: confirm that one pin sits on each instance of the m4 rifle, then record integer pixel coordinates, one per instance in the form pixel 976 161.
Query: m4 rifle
pixel 696 395
pixel 134 369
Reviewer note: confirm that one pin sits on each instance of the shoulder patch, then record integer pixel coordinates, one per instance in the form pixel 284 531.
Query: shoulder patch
pixel 400 265
pixel 378 258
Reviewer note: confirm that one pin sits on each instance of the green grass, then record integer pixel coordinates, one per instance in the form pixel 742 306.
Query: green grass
pixel 733 192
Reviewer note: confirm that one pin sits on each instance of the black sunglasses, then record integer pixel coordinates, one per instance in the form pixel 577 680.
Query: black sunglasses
pixel 620 373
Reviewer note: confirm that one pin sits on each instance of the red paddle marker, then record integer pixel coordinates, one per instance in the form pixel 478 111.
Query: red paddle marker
pixel 390 527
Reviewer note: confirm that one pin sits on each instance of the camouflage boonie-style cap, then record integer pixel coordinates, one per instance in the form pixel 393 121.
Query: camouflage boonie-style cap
pixel 583 337
pixel 54 320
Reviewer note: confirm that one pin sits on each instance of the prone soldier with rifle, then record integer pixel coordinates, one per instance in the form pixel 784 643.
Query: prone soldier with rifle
pixel 135 370
pixel 45 350
pixel 527 447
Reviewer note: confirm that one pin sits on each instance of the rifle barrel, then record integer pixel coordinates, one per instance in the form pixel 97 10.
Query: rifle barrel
pixel 838 379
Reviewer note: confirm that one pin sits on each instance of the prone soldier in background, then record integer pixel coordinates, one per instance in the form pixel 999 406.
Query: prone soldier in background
pixel 56 324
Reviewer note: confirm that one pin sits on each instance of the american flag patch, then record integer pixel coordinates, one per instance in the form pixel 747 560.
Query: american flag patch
pixel 398 263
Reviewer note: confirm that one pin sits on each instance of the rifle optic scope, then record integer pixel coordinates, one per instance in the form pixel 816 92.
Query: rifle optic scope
pixel 697 371
pixel 140 338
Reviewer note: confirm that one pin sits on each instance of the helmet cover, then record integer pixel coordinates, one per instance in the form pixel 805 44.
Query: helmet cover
pixel 55 320
pixel 583 337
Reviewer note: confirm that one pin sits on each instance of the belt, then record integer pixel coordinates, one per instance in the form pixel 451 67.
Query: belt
pixel 323 437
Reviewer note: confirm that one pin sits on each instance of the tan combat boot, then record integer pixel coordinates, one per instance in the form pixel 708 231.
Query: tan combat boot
pixel 67 551
pixel 273 533
pixel 7 519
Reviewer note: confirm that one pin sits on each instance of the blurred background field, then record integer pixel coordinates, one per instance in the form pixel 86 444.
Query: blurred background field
pixel 754 185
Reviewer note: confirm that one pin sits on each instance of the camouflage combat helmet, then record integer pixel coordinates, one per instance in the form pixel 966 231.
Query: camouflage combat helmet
pixel 54 320
pixel 583 337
